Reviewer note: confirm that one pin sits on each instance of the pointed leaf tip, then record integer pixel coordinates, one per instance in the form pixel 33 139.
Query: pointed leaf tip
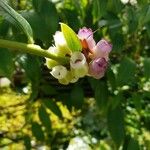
pixel 72 39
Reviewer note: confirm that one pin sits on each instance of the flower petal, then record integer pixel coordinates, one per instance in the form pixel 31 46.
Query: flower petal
pixel 98 67
pixel 59 72
pixel 78 64
pixel 87 34
pixel 102 49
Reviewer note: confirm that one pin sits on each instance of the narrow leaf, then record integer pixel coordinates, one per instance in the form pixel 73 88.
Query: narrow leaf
pixel 133 145
pixel 147 67
pixel 6 63
pixel 111 78
pixel 77 96
pixel 27 142
pixel 101 95
pixel 99 9
pixel 16 19
pixel 126 72
pixel 53 107
pixel 44 118
pixel 72 40
pixel 115 119
pixel 37 131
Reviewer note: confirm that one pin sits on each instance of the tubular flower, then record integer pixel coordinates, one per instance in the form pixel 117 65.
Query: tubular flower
pixel 102 49
pixel 87 58
pixel 86 37
pixel 59 72
pixel 78 64
pixel 98 67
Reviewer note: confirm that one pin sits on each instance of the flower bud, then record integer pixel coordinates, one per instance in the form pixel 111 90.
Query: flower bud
pixel 50 63
pixel 66 80
pixel 98 67
pixel 61 43
pixel 87 35
pixel 74 79
pixel 102 49
pixel 78 64
pixel 59 72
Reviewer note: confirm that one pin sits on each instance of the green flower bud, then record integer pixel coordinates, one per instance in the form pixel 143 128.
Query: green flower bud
pixel 66 80
pixel 74 79
pixel 50 63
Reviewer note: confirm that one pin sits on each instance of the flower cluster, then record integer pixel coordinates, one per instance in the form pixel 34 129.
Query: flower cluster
pixel 91 60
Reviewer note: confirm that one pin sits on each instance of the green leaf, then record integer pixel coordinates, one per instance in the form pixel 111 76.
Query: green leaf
pixel 16 19
pixel 45 16
pixel 115 6
pixel 44 118
pixel 148 29
pixel 99 9
pixel 4 27
pixel 6 63
pixel 48 90
pixel 147 67
pixel 77 97
pixel 111 78
pixel 31 65
pixel 37 4
pixel 27 142
pixel 126 72
pixel 117 41
pixel 116 100
pixel 115 120
pixel 50 16
pixel 72 40
pixel 133 145
pixel 50 104
pixel 137 101
pixel 144 14
pixel 132 19
pixel 93 83
pixel 101 95
pixel 37 131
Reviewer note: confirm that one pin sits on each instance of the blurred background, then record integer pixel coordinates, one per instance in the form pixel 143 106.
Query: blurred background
pixel 112 113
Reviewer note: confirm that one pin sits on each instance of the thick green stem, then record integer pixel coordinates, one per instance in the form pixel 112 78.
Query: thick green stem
pixel 32 49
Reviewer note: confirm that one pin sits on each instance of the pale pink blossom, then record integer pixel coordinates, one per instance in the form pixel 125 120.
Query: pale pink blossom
pixel 86 35
pixel 98 67
pixel 102 49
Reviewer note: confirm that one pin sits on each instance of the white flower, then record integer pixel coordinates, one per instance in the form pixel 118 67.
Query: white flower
pixel 59 72
pixel 50 63
pixel 77 60
pixel 61 43
pixel 53 50
pixel 124 1
pixel 78 64
pixel 133 2
pixel 78 143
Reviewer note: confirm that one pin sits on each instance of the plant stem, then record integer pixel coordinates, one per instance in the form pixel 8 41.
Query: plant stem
pixel 32 49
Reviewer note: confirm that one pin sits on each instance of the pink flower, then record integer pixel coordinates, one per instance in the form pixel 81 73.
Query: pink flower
pixel 102 49
pixel 98 67
pixel 86 37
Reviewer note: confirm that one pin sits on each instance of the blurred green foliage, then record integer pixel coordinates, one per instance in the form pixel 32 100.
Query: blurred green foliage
pixel 107 114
